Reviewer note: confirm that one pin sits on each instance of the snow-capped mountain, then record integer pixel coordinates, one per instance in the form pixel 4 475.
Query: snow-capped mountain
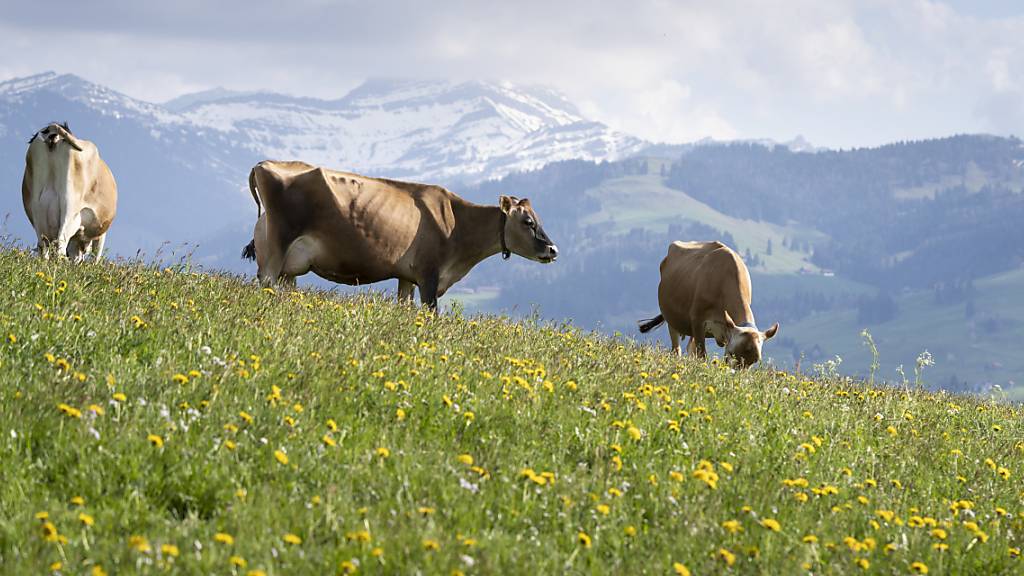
pixel 424 130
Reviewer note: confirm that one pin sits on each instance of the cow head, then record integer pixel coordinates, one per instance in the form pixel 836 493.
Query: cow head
pixel 54 134
pixel 522 232
pixel 743 343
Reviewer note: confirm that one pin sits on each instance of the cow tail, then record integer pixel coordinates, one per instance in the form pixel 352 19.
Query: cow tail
pixel 648 325
pixel 252 189
pixel 249 252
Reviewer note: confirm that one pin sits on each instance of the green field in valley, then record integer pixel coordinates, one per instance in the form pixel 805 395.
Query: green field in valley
pixel 959 345
pixel 645 202
pixel 159 420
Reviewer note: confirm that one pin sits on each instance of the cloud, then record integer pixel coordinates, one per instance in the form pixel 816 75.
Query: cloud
pixel 842 73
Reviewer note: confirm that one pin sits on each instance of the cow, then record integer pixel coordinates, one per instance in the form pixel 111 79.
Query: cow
pixel 355 230
pixel 69 194
pixel 705 293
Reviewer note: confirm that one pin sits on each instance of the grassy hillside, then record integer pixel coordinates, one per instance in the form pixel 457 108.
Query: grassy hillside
pixel 643 201
pixel 157 419
pixel 961 346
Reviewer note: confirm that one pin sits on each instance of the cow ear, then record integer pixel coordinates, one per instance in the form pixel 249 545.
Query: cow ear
pixel 729 324
pixel 506 203
pixel 525 203
pixel 771 331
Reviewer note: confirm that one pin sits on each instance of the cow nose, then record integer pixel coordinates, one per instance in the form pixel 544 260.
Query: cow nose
pixel 554 251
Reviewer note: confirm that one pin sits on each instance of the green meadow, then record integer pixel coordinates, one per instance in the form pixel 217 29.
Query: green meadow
pixel 161 420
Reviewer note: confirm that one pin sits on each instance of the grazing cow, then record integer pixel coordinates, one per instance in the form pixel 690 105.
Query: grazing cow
pixel 355 230
pixel 705 293
pixel 69 194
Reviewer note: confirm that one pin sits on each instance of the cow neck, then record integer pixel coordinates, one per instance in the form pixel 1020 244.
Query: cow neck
pixel 475 228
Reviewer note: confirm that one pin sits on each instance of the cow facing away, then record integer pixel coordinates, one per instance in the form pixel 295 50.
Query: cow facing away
pixel 355 230
pixel 69 194
pixel 705 293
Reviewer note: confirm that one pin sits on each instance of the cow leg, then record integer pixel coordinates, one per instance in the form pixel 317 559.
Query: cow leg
pixel 72 227
pixel 76 249
pixel 674 337
pixel 428 291
pixel 699 347
pixel 97 247
pixel 44 247
pixel 405 290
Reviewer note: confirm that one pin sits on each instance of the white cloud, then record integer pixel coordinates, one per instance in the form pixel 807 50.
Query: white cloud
pixel 842 72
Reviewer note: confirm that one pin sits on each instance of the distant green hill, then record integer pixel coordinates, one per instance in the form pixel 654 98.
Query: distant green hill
pixel 157 420
pixel 969 339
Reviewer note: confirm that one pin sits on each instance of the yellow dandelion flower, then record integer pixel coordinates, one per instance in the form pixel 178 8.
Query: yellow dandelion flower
pixel 49 531
pixel 56 566
pixel 583 539
pixel 155 440
pixel 119 397
pixel 230 445
pixel 425 510
pixel 732 526
pixel 383 452
pixel 281 457
pixel 292 539
pixel 224 538
pixel 629 531
pixel 86 519
pixel 400 414
pixel 245 416
pixel 237 561
pixel 938 533
pixel 77 501
pixel 69 411
pixel 377 552
pixel 728 557
pixel 863 563
pixel 431 545
pixel 1014 552
pixel 347 567
pixel 169 550
pixel 771 524
pixel 603 509
pixel 328 441
pixel 634 433
pixel 810 539
pixel 98 570
pixel 332 425
pixel 139 543
pixel 179 379
pixel 919 567
pixel 465 459
pixel 680 569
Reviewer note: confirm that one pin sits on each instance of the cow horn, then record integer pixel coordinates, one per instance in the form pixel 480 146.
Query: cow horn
pixel 73 142
pixel 69 138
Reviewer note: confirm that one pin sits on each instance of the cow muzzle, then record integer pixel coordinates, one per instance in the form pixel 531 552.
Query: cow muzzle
pixel 550 255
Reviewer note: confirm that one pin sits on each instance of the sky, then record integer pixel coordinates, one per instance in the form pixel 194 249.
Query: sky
pixel 841 73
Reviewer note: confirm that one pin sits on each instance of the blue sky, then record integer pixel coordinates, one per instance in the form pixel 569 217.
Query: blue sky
pixel 842 73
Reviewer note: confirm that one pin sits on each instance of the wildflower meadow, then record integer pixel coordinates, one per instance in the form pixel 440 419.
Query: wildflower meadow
pixel 159 420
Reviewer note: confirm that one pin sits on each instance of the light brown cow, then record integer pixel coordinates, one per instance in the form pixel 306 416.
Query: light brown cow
pixel 69 194
pixel 705 293
pixel 354 229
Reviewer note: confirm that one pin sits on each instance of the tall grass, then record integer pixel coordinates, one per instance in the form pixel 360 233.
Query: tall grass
pixel 156 420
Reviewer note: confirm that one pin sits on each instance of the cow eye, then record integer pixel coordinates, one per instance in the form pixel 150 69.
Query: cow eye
pixel 529 222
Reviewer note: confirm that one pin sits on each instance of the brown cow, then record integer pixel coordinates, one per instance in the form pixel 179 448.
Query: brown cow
pixel 355 230
pixel 69 194
pixel 705 293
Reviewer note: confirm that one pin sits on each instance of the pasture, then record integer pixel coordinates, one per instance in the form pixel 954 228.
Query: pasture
pixel 157 419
